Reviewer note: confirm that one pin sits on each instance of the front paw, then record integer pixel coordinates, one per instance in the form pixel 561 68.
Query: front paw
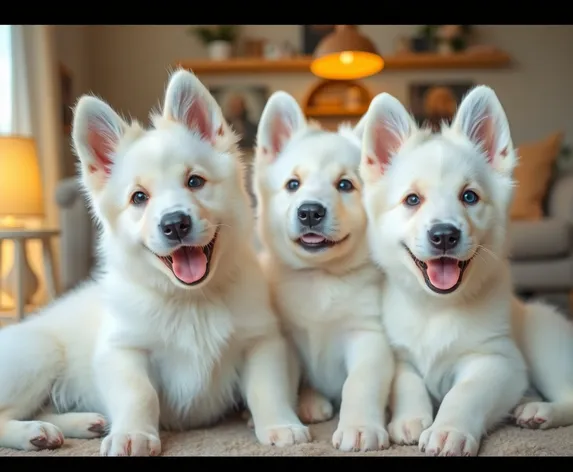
pixel 283 435
pixel 406 430
pixel 447 441
pixel 132 443
pixel 360 437
pixel 314 407
pixel 534 415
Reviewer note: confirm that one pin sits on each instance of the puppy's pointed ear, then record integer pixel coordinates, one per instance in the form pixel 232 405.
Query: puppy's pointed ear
pixel 387 124
pixel 358 130
pixel 281 118
pixel 97 130
pixel 187 101
pixel 482 120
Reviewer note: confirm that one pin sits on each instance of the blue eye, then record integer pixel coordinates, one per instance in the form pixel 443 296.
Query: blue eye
pixel 292 185
pixel 469 197
pixel 345 185
pixel 412 200
pixel 139 198
pixel 195 182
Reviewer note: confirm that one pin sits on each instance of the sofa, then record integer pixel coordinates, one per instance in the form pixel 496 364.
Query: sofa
pixel 541 251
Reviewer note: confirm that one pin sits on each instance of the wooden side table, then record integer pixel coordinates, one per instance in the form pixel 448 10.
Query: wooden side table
pixel 19 236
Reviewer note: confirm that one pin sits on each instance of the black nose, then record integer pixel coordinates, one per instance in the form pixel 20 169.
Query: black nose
pixel 311 214
pixel 175 226
pixel 444 236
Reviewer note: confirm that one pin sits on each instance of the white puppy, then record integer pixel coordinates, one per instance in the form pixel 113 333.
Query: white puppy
pixel 177 326
pixel 438 211
pixel 327 291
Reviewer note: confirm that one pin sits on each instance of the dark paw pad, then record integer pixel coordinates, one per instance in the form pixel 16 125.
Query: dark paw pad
pixel 97 428
pixel 42 442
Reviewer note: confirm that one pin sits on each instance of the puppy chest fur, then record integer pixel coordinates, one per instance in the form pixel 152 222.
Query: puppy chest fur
pixel 320 312
pixel 433 337
pixel 193 351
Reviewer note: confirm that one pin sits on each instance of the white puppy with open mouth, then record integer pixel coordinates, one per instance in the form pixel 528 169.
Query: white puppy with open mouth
pixel 177 327
pixel 325 288
pixel 438 211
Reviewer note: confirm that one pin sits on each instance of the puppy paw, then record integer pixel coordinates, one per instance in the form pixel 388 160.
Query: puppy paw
pixel 41 435
pixel 133 443
pixel 446 441
pixel 534 415
pixel 314 407
pixel 406 431
pixel 360 438
pixel 96 424
pixel 81 425
pixel 286 435
pixel 30 435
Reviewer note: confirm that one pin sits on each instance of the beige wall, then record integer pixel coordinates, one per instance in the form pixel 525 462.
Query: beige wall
pixel 127 65
pixel 72 48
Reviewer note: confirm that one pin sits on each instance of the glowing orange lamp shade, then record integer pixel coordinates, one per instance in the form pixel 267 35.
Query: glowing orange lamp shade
pixel 345 55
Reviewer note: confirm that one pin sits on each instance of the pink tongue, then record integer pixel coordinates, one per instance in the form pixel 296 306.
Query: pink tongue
pixel 312 238
pixel 189 264
pixel 443 273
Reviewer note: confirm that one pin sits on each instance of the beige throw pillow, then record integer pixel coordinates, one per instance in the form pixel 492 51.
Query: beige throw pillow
pixel 532 176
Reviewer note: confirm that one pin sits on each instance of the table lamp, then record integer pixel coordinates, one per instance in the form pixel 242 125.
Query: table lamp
pixel 20 198
pixel 345 54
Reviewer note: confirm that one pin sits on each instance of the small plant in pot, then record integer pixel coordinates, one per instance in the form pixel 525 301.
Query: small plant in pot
pixel 218 39
pixel 453 38
pixel 425 39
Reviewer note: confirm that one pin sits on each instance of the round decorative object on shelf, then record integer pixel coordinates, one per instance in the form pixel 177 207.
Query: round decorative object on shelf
pixel 354 99
pixel 220 50
pixel 331 102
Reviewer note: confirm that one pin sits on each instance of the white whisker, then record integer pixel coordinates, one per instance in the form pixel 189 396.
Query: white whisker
pixel 489 251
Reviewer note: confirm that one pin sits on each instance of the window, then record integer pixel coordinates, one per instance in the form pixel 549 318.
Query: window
pixel 5 79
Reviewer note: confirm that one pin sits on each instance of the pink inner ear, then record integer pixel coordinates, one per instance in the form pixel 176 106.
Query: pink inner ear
pixel 101 148
pixel 280 132
pixel 386 142
pixel 197 119
pixel 484 135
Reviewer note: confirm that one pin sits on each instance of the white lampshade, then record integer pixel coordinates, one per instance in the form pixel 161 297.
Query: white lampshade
pixel 20 181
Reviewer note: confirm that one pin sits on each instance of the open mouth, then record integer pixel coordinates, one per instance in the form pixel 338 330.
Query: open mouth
pixel 190 264
pixel 316 242
pixel 442 275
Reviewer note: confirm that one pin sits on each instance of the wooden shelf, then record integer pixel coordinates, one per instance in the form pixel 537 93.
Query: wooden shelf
pixel 333 112
pixel 471 60
pixel 405 61
pixel 247 65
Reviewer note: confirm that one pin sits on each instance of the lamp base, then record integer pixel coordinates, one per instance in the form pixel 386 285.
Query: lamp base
pixel 30 282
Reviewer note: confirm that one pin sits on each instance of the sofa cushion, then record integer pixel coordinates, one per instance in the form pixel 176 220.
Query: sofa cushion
pixel 532 176
pixel 548 237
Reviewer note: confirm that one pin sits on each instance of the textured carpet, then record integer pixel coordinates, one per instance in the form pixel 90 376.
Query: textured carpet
pixel 233 438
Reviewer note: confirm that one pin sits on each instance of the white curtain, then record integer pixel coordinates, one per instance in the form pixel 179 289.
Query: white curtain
pixel 30 97
pixel 5 79
pixel 21 122
pixel 30 100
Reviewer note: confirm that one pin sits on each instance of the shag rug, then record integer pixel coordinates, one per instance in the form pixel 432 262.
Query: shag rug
pixel 234 438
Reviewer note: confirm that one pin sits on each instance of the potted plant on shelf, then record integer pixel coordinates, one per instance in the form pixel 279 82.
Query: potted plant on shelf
pixel 453 38
pixel 218 39
pixel 425 39
pixel 444 39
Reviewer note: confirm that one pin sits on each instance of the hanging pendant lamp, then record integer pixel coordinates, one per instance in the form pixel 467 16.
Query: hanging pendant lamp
pixel 345 54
